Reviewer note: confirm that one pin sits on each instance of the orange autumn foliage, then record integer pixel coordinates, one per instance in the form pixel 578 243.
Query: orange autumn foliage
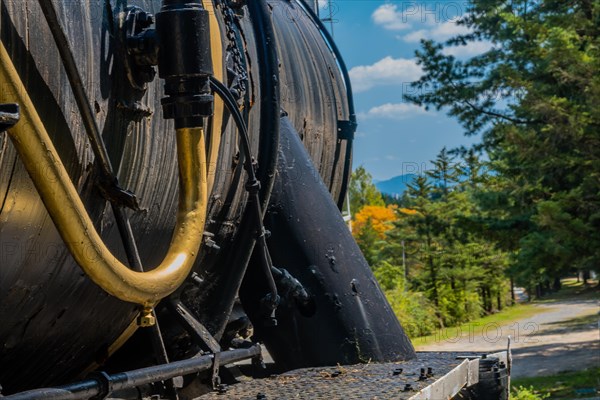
pixel 408 211
pixel 381 219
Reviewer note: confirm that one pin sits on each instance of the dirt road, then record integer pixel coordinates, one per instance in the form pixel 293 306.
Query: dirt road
pixel 563 336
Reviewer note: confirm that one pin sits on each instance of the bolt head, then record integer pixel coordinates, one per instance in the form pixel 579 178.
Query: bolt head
pixel 146 320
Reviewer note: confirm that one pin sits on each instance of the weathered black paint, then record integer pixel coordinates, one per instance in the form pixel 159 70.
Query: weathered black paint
pixel 352 321
pixel 55 321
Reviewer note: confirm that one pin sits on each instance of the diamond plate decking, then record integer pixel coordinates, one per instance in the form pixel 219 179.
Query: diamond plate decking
pixel 367 381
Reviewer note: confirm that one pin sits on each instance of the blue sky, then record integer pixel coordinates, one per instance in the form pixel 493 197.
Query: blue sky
pixel 378 39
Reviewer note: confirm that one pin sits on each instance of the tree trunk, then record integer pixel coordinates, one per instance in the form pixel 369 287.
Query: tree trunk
pixel 586 276
pixel 557 284
pixel 499 300
pixel 433 272
pixel 487 299
pixel 512 291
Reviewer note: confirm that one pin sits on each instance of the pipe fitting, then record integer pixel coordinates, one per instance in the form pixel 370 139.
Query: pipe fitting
pixel 184 61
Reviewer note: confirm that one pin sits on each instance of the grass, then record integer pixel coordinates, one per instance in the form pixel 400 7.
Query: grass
pixel 571 289
pixel 476 327
pixel 566 385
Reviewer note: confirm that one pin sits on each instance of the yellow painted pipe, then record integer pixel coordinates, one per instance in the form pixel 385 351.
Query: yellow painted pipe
pixel 64 205
pixel 216 48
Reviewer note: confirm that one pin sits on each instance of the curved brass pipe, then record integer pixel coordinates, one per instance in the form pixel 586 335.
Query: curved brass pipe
pixel 64 205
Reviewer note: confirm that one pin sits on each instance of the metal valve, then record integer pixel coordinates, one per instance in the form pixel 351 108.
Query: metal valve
pixel 179 45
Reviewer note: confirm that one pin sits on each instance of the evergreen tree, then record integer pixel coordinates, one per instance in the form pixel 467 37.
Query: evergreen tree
pixel 534 99
pixel 444 173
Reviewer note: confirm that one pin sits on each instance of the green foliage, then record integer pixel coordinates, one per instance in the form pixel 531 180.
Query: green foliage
pixel 368 241
pixel 413 310
pixel 435 267
pixel 527 393
pixel 564 385
pixel 444 172
pixel 389 276
pixel 534 99
pixel 362 191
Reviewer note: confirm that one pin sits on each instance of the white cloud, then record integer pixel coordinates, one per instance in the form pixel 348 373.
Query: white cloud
pixel 388 16
pixel 415 36
pixel 394 111
pixel 469 50
pixel 445 31
pixel 388 71
pixel 440 33
pixel 410 14
pixel 448 29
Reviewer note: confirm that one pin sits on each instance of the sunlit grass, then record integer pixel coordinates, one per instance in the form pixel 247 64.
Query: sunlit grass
pixel 567 385
pixel 571 289
pixel 477 326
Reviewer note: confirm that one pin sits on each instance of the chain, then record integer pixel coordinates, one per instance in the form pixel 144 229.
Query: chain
pixel 238 75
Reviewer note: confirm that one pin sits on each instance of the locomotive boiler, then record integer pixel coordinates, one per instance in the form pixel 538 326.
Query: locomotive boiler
pixel 171 177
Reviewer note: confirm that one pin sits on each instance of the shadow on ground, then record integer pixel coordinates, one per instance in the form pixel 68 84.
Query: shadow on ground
pixel 542 359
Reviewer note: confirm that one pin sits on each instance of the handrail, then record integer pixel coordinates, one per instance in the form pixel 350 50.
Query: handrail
pixel 70 217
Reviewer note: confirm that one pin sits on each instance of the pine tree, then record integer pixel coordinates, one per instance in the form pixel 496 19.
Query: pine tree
pixel 444 174
pixel 534 99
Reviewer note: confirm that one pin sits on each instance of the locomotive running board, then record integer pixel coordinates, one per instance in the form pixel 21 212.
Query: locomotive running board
pixel 430 376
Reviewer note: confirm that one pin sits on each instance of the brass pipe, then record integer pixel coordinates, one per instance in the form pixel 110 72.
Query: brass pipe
pixel 216 48
pixel 66 209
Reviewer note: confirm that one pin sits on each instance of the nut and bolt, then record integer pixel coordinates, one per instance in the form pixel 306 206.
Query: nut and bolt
pixel 261 396
pixel 397 371
pixel 222 388
pixel 146 318
pixel 407 387
pixel 429 371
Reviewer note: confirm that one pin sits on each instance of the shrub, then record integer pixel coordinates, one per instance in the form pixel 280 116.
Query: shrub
pixel 527 393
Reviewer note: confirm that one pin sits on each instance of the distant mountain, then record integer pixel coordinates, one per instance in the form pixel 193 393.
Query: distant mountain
pixel 395 186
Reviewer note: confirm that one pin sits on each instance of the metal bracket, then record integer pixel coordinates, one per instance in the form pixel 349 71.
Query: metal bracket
pixel 116 195
pixel 292 289
pixel 346 130
pixel 198 331
pixel 216 379
pixel 142 46
pixel 9 116
pixel 105 384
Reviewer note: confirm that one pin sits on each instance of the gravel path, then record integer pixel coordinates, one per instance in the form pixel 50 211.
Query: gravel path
pixel 563 336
